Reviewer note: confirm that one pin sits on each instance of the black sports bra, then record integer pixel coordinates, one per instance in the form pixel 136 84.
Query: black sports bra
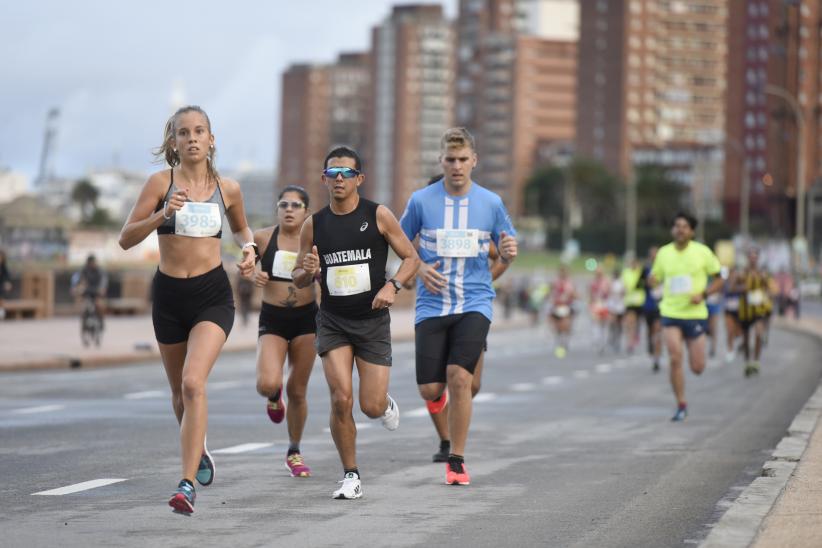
pixel 169 225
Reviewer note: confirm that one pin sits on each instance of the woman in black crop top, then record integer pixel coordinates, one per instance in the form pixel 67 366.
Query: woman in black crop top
pixel 193 308
pixel 287 323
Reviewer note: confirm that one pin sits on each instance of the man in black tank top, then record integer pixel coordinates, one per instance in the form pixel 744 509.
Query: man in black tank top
pixel 346 245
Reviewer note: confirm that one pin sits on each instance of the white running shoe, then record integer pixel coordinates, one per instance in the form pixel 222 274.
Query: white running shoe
pixel 730 356
pixel 391 418
pixel 351 487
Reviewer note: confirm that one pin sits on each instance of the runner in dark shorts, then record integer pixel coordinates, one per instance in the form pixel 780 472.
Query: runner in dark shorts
pixel 346 245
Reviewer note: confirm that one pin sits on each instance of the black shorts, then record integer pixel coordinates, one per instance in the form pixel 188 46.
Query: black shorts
pixel 638 310
pixel 652 316
pixel 747 323
pixel 288 323
pixel 691 329
pixel 457 339
pixel 181 303
pixel 370 338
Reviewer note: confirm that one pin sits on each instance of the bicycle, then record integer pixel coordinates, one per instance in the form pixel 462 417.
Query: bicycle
pixel 91 322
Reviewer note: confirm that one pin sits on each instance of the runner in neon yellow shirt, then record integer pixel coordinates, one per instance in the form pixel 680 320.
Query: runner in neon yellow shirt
pixel 634 299
pixel 683 267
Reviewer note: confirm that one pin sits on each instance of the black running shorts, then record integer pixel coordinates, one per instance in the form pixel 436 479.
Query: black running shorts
pixel 181 303
pixel 288 323
pixel 370 338
pixel 457 339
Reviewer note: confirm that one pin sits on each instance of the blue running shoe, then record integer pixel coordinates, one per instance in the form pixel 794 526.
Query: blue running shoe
pixel 183 499
pixel 205 473
pixel 681 413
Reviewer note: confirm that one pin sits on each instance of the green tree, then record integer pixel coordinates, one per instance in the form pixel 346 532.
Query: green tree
pixel 598 193
pixel 85 195
pixel 659 196
pixel 101 218
pixel 595 191
pixel 544 194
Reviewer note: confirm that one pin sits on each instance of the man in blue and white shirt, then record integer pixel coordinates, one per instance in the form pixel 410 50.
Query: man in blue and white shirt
pixel 456 221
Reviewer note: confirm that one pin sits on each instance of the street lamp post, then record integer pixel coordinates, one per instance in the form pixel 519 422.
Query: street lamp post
pixel 745 200
pixel 800 153
pixel 744 188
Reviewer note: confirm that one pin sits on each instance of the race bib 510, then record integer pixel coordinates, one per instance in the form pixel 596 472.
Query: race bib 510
pixel 348 280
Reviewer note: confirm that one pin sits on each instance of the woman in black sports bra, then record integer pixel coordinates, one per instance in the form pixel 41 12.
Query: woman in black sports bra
pixel 193 307
pixel 287 323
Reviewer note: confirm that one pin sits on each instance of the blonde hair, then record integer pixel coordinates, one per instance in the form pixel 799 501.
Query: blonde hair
pixel 166 152
pixel 457 137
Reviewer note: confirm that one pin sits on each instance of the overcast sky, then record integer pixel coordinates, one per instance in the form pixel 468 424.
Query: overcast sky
pixel 113 67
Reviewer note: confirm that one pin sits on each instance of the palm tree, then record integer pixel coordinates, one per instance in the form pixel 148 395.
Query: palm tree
pixel 85 195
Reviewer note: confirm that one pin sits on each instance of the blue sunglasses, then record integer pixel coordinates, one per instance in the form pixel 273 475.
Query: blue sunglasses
pixel 346 172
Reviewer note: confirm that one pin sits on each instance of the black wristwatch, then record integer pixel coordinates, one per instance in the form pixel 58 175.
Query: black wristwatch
pixel 397 285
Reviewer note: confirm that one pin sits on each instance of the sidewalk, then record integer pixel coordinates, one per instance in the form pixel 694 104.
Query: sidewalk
pixel 782 507
pixel 55 343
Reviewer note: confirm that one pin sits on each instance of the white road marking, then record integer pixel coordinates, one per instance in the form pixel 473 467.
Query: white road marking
pixel 359 425
pixel 223 385
pixel 552 381
pixel 77 487
pixel 242 448
pixel 418 412
pixel 523 387
pixel 581 374
pixel 38 409
pixel 485 396
pixel 145 394
pixel 603 368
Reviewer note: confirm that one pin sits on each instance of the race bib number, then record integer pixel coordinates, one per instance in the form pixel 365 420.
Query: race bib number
pixel 284 262
pixel 562 311
pixel 680 285
pixel 348 280
pixel 457 243
pixel 756 297
pixel 732 304
pixel 198 220
pixel 657 293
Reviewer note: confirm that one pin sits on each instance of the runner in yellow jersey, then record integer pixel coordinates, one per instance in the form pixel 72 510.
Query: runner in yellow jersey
pixel 634 301
pixel 683 267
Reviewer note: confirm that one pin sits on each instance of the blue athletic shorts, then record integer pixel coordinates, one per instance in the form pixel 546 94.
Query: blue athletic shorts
pixel 691 329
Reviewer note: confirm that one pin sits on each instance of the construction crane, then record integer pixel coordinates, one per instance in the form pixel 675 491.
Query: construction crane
pixel 47 155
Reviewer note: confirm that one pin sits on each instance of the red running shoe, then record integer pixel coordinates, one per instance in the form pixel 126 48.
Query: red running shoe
pixel 436 406
pixel 456 477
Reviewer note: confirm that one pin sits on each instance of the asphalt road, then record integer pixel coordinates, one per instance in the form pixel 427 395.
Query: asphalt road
pixel 574 452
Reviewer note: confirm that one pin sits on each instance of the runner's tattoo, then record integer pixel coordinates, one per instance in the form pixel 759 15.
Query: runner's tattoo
pixel 291 300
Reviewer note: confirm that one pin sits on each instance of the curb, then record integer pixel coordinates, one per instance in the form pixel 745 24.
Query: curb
pixel 741 523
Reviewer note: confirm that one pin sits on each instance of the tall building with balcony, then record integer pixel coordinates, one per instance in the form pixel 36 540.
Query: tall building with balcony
pixel 322 105
pixel 304 128
pixel 412 101
pixel 772 43
pixel 652 86
pixel 516 86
